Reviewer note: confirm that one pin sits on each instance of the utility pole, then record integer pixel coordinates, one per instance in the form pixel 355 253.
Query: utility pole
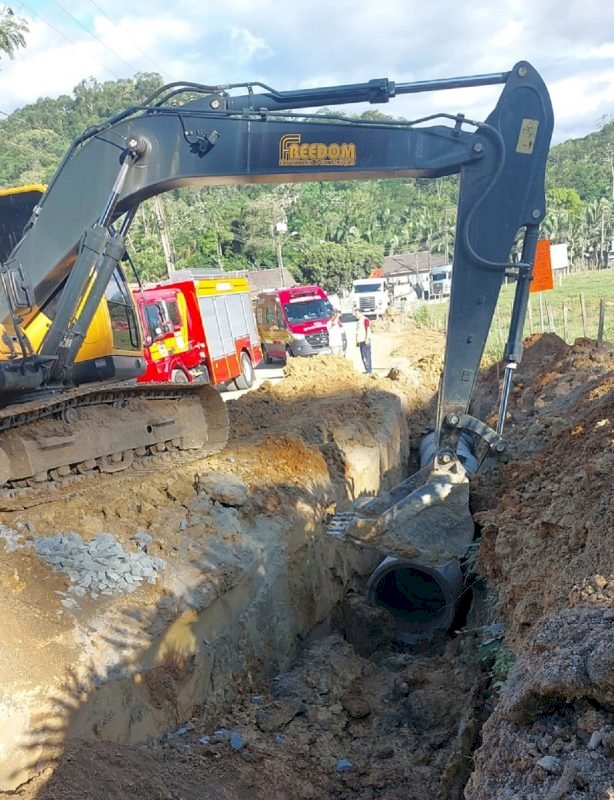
pixel 278 229
pixel 167 247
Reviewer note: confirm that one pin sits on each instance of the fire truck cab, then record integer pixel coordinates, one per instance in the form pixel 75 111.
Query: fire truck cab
pixel 199 328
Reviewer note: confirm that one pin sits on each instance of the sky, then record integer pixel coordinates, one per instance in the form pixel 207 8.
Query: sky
pixel 295 45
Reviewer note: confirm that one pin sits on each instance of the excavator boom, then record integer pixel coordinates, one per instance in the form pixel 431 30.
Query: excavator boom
pixel 74 240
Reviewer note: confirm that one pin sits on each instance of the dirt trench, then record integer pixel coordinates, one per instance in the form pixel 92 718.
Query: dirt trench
pixel 353 715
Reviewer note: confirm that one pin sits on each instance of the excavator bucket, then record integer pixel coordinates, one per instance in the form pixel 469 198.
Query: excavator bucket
pixel 425 518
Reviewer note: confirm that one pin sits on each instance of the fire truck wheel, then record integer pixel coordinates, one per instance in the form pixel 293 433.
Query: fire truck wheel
pixel 179 376
pixel 267 358
pixel 246 378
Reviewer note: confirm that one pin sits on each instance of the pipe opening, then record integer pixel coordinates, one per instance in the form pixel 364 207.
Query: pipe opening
pixel 421 599
pixel 411 595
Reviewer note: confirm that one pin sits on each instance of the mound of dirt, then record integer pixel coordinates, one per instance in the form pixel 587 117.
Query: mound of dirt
pixel 547 540
pixel 319 392
pixel 313 388
pixel 547 551
pixel 320 376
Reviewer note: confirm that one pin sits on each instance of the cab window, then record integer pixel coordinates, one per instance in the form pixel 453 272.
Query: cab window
pixel 121 311
pixel 172 314
pixel 155 321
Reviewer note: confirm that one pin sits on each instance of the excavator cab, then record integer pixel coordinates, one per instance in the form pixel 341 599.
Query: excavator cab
pixel 16 207
pixel 113 338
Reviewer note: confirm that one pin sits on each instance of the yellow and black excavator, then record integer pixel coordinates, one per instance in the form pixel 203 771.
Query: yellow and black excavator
pixel 57 435
pixel 70 343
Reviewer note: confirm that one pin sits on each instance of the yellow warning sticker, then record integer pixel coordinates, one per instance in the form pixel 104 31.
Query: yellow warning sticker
pixel 527 136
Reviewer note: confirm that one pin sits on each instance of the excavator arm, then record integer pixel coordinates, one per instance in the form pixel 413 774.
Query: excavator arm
pixel 75 237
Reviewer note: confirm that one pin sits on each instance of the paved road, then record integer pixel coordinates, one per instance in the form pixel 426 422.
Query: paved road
pixel 264 372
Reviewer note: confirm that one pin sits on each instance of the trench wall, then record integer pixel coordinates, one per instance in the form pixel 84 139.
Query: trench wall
pixel 249 581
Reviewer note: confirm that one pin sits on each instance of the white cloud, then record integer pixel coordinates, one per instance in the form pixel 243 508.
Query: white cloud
pixel 290 45
pixel 247 46
pixel 510 34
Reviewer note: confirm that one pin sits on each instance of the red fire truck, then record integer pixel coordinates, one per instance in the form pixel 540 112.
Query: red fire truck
pixel 199 327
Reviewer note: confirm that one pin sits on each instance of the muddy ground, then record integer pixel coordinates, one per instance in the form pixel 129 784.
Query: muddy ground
pixel 515 705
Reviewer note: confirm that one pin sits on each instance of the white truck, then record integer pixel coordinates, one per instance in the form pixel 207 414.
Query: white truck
pixel 371 296
pixel 441 281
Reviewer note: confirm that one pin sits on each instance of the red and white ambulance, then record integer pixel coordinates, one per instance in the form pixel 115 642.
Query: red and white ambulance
pixel 293 321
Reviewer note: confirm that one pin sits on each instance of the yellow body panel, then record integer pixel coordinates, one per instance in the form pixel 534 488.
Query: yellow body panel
pixel 182 339
pixel 33 187
pixel 99 339
pixel 221 285
pixel 98 342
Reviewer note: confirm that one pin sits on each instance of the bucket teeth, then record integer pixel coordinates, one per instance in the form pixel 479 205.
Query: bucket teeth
pixel 340 523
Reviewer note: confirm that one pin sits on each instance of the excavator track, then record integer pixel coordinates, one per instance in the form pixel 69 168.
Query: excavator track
pixel 50 447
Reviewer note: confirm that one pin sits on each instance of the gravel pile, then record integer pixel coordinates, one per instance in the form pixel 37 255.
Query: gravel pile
pixel 100 566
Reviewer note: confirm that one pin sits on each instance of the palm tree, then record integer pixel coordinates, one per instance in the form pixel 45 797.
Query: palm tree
pixel 606 217
pixel 12 31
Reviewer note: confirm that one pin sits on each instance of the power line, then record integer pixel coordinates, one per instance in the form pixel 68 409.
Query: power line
pixel 67 38
pixel 91 33
pixel 136 47
pixel 29 150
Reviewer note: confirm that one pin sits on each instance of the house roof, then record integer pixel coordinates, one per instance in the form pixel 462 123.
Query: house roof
pixel 274 278
pixel 420 261
pixel 259 279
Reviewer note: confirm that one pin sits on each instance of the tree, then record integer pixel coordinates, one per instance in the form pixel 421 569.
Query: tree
pixel 334 266
pixel 12 30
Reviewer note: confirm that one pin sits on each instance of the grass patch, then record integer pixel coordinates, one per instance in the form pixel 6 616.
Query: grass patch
pixel 504 660
pixel 558 310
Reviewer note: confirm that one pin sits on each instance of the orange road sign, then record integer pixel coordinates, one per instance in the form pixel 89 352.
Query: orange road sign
pixel 542 268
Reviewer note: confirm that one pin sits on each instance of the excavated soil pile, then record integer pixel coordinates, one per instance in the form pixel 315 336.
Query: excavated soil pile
pixel 546 542
pixel 322 394
pixel 329 384
pixel 547 520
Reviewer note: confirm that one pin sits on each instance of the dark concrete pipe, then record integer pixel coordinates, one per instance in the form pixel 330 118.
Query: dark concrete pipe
pixel 423 600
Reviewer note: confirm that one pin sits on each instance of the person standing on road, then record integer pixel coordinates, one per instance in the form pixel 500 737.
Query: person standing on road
pixel 336 334
pixel 363 339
